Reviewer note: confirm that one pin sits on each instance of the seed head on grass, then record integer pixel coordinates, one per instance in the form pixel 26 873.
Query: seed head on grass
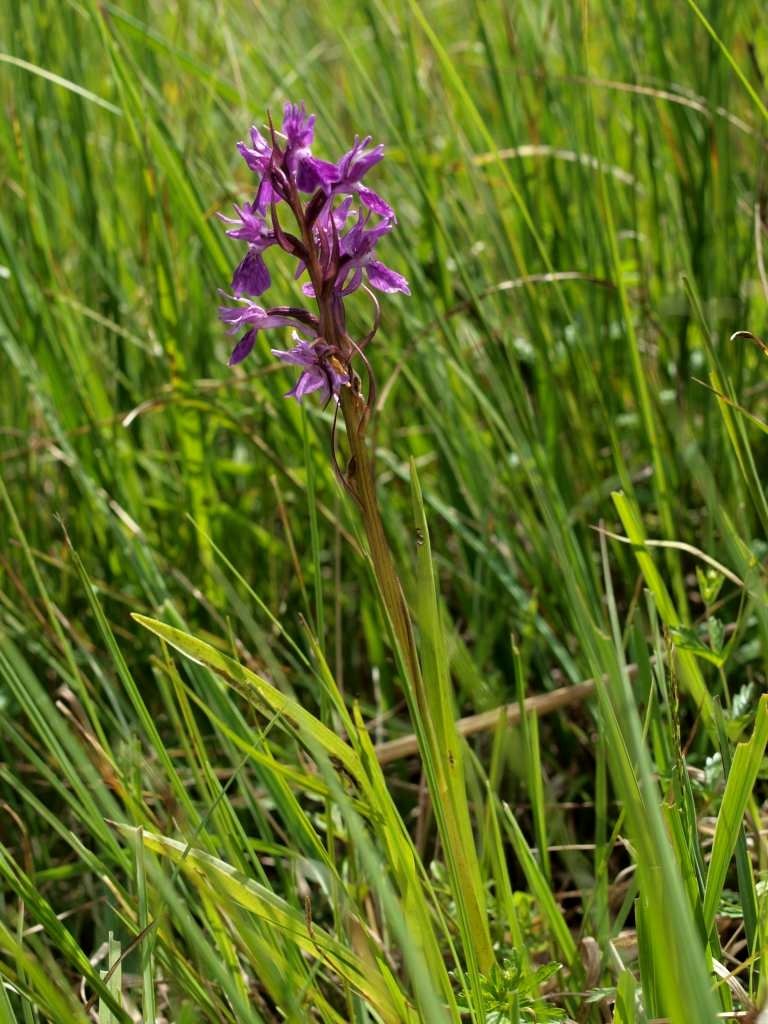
pixel 339 222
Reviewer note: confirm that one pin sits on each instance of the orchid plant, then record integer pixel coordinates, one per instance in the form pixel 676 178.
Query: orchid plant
pixel 337 224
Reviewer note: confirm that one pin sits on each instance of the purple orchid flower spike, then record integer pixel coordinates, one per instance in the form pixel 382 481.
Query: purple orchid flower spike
pixel 339 228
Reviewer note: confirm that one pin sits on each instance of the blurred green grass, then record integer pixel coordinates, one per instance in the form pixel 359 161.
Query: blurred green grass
pixel 582 216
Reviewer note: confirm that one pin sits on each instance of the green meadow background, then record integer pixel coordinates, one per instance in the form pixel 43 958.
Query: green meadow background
pixel 195 825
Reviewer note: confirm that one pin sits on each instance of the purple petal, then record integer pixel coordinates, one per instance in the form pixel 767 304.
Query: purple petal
pixel 311 380
pixel 250 226
pixel 360 240
pixel 356 163
pixel 313 174
pixel 243 347
pixel 266 195
pixel 238 316
pixel 251 276
pixel 258 155
pixel 262 319
pixel 342 212
pixel 375 203
pixel 385 279
pixel 308 382
pixel 354 284
pixel 302 355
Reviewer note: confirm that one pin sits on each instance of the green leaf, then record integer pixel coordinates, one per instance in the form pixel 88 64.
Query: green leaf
pixel 687 639
pixel 738 791
pixel 258 692
pixel 220 879
pixel 710 582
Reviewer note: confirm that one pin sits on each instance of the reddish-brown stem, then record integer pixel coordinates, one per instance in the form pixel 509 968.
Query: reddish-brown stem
pixel 361 480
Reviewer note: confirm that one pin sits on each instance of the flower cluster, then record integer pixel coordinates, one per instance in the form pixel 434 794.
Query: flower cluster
pixel 339 223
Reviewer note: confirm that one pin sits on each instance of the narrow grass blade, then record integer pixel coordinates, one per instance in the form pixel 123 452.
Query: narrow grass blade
pixel 222 880
pixel 739 787
pixel 689 669
pixel 256 690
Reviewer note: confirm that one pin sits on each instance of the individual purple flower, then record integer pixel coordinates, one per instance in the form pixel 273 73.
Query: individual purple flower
pixel 251 276
pixel 357 250
pixel 322 369
pixel 258 319
pixel 351 170
pixel 250 225
pixel 258 156
pixel 308 172
pixel 251 314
